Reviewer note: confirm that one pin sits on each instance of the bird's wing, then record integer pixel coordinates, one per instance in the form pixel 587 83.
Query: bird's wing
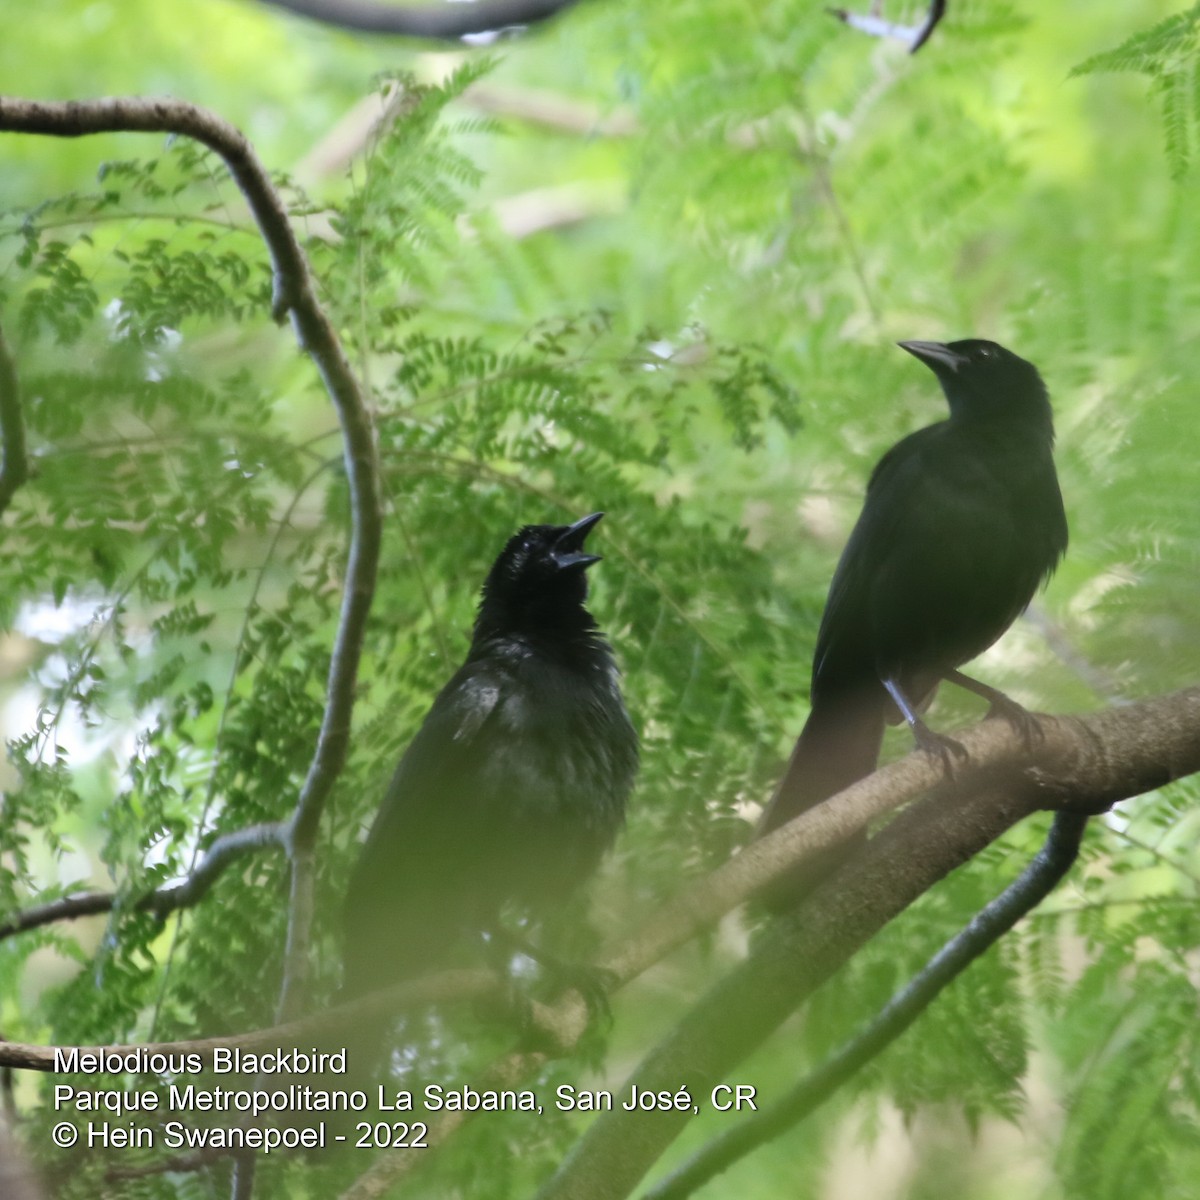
pixel 440 769
pixel 894 491
pixel 409 895
pixel 942 559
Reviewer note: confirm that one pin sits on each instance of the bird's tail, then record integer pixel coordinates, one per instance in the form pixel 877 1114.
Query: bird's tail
pixel 838 746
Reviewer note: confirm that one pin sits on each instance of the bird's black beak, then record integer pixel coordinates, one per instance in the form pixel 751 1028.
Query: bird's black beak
pixel 568 546
pixel 937 356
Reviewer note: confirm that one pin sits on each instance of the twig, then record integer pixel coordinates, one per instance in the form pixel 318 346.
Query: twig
pixel 438 22
pixel 14 465
pixel 223 852
pixel 875 26
pixel 1028 890
pixel 1103 682
pixel 294 293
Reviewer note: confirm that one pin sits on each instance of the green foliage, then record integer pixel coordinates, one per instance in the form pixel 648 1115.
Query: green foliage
pixel 1169 53
pixel 709 364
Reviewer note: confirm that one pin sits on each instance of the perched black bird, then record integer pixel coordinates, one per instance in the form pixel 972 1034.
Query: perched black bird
pixel 515 784
pixel 962 522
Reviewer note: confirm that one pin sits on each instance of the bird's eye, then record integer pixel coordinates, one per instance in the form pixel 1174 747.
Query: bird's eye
pixel 986 352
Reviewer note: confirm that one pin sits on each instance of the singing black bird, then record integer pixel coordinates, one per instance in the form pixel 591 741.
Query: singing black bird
pixel 515 784
pixel 962 522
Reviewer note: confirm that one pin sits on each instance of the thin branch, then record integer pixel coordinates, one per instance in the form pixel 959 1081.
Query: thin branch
pixel 14 464
pixel 210 790
pixel 446 987
pixel 871 23
pixel 69 908
pixel 243 1175
pixel 1150 848
pixel 1029 889
pixel 439 22
pixel 294 293
pixel 1101 681
pixel 221 854
pixel 349 137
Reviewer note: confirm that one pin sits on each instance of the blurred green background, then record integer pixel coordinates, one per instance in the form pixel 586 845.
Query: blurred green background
pixel 650 259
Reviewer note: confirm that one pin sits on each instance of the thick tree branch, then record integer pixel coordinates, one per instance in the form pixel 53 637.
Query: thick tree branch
pixel 221 854
pixel 1089 763
pixel 295 293
pixel 1116 752
pixel 440 22
pixel 1027 891
pixel 14 466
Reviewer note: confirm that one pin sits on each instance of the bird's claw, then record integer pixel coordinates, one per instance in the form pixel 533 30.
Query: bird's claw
pixel 938 745
pixel 1019 719
pixel 594 984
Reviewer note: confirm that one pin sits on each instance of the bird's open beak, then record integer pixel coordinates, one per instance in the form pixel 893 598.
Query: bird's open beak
pixel 568 548
pixel 935 355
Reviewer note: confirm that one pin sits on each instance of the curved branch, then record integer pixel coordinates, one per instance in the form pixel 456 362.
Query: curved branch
pixel 444 988
pixel 294 292
pixel 14 465
pixel 1027 891
pixel 221 854
pixel 1116 753
pixel 440 22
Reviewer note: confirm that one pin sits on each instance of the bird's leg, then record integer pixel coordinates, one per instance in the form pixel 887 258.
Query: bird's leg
pixel 945 748
pixel 1000 705
pixel 591 982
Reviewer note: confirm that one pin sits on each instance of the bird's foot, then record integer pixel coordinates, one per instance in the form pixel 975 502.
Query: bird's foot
pixel 1003 707
pixel 541 1029
pixel 938 745
pixel 592 983
pixel 1020 719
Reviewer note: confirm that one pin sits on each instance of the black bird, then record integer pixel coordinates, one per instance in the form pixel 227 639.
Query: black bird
pixel 515 784
pixel 962 522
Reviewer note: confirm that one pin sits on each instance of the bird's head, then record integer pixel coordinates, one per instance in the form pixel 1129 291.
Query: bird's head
pixel 539 577
pixel 983 381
